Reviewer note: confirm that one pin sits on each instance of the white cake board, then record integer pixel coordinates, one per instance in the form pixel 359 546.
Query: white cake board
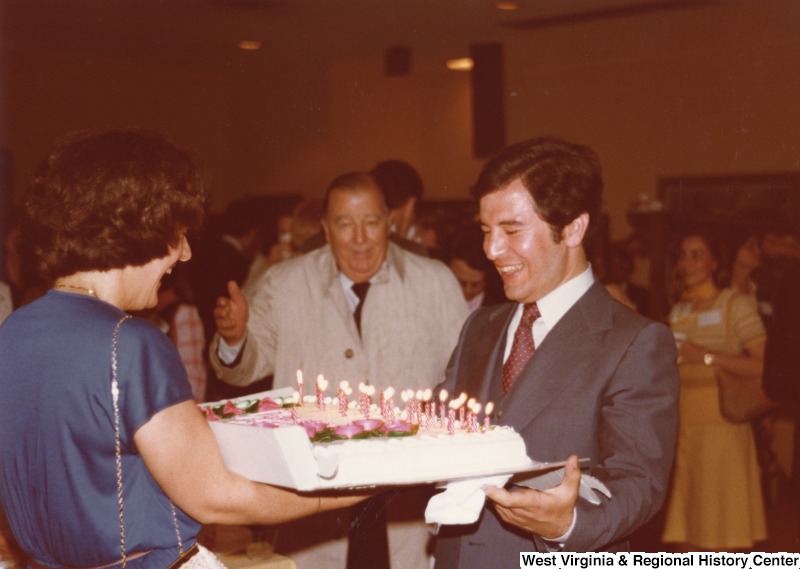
pixel 284 457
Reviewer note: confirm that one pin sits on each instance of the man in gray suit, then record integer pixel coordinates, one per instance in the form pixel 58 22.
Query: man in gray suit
pixel 587 377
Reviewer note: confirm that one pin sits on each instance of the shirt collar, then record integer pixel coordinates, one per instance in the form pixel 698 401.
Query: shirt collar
pixel 347 284
pixel 557 302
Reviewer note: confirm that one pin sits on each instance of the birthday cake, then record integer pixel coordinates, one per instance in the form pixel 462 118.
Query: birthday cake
pixel 314 442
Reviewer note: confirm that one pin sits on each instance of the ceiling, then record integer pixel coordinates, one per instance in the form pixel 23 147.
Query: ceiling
pixel 292 32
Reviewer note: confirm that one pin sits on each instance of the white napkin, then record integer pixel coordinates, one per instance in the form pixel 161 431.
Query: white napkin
pixel 587 489
pixel 462 500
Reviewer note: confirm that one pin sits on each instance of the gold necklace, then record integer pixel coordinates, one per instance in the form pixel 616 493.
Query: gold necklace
pixel 61 284
pixel 701 292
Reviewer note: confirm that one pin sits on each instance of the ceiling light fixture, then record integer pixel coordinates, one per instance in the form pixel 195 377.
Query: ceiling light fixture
pixel 460 64
pixel 506 5
pixel 249 45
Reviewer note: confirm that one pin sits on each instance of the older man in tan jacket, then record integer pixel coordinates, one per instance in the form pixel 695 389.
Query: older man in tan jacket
pixel 302 315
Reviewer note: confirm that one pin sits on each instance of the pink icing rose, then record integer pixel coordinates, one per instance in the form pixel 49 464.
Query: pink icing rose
pixel 349 430
pixel 313 427
pixel 398 427
pixel 210 415
pixel 267 404
pixel 231 409
pixel 368 424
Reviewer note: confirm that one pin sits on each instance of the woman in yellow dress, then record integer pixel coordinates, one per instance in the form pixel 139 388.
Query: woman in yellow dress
pixel 715 501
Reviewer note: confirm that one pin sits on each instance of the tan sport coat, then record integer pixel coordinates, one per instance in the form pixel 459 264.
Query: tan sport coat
pixel 299 320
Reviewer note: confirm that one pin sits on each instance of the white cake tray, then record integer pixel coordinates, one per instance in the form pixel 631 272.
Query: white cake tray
pixel 284 457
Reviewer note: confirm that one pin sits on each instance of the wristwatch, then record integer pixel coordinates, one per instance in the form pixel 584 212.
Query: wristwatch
pixel 708 359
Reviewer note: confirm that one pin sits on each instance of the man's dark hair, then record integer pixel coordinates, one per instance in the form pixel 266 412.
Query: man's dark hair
pixel 399 182
pixel 565 179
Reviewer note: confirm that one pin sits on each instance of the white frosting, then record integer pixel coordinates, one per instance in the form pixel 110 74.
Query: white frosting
pixel 421 458
pixel 433 454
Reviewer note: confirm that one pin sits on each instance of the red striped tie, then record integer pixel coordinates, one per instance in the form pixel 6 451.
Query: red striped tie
pixel 523 347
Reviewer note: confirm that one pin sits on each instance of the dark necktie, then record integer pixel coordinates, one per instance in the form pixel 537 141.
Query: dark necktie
pixel 361 292
pixel 368 542
pixel 368 545
pixel 523 347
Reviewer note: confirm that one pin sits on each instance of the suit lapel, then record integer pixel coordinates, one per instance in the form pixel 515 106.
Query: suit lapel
pixel 483 376
pixel 555 366
pixel 336 299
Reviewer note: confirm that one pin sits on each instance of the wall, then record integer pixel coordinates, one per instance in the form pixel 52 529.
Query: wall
pixel 713 90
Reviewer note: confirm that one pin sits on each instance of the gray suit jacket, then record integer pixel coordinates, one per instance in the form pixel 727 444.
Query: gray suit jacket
pixel 603 385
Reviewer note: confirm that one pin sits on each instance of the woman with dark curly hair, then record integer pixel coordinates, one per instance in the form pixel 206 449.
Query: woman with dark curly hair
pixel 106 218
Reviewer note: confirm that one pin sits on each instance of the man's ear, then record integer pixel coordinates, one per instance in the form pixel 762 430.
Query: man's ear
pixel 575 230
pixel 325 229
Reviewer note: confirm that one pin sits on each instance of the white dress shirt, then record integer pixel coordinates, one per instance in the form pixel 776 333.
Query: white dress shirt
pixel 552 307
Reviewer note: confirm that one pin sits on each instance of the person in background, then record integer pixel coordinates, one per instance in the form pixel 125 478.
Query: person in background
pixel 780 248
pixel 715 500
pixel 758 265
pixel 7 179
pixel 745 263
pixel 477 276
pixel 778 301
pixel 10 555
pixel 176 315
pixel 226 257
pixel 572 370
pixel 106 217
pixel 283 249
pixel 305 224
pixel 304 229
pixel 225 254
pixel 6 293
pixel 360 308
pixel 24 284
pixel 6 303
pixel 745 275
pixel 438 229
pixel 619 270
pixel 275 216
pixel 402 189
pixel 782 359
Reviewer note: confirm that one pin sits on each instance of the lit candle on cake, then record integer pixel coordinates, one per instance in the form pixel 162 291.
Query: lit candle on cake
pixel 424 421
pixel 300 386
pixel 487 422
pixel 470 413
pixel 472 423
pixel 407 400
pixel 344 388
pixel 418 405
pixel 388 405
pixel 442 407
pixel 461 410
pixel 426 397
pixel 364 401
pixel 322 385
pixel 451 416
